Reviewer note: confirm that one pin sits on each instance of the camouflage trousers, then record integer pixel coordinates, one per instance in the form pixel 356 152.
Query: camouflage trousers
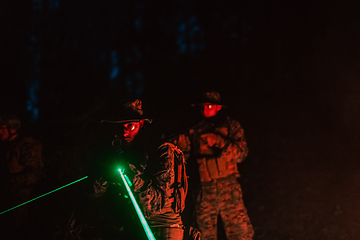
pixel 168 233
pixel 223 197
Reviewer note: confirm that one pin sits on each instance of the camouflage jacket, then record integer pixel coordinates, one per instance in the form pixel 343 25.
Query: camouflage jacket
pixel 23 163
pixel 161 186
pixel 218 146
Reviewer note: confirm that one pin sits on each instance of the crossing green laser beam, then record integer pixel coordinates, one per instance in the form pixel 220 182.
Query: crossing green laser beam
pixel 43 195
pixel 145 225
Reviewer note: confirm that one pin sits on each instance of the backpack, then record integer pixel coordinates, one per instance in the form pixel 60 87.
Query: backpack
pixel 180 185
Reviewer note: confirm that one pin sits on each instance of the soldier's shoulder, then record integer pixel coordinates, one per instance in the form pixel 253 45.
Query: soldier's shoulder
pixel 165 147
pixel 168 149
pixel 30 139
pixel 232 120
pixel 28 142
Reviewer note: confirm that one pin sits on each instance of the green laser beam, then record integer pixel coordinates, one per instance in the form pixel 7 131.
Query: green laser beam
pixel 128 180
pixel 43 195
pixel 145 225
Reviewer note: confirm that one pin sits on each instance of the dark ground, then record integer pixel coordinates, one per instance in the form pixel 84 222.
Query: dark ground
pixel 287 70
pixel 303 187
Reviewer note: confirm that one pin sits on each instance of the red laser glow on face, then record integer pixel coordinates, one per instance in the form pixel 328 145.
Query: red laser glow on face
pixel 131 129
pixel 211 110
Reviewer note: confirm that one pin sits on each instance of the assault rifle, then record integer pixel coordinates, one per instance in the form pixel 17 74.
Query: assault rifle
pixel 203 127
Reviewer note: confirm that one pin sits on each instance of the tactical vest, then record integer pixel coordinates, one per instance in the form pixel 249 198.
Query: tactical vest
pixel 215 163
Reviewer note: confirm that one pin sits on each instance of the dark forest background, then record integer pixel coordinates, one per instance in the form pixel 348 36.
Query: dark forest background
pixel 287 70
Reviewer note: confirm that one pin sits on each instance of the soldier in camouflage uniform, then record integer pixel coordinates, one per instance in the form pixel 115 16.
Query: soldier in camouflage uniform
pixel 21 169
pixel 157 170
pixel 218 144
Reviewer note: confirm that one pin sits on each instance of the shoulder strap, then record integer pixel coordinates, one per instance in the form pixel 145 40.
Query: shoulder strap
pixel 180 186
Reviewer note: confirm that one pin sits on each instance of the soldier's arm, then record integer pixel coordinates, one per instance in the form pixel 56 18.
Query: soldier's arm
pixel 183 142
pixel 31 161
pixel 154 182
pixel 238 145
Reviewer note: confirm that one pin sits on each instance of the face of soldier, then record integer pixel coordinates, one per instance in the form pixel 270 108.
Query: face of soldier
pixel 4 133
pixel 131 129
pixel 211 110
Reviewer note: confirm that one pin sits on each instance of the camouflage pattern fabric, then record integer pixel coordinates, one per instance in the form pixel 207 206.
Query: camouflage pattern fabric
pixel 24 161
pixel 152 170
pixel 168 233
pixel 223 197
pixel 218 148
pixel 229 149
pixel 23 169
pixel 154 186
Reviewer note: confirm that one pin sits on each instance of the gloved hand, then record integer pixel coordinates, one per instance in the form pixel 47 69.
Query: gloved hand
pixel 137 180
pixel 100 187
pixel 212 139
pixel 183 142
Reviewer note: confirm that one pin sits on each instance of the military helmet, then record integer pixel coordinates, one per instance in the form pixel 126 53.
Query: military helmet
pixel 212 97
pixel 10 120
pixel 131 111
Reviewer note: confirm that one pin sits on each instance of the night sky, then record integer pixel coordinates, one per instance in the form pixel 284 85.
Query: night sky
pixel 287 70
